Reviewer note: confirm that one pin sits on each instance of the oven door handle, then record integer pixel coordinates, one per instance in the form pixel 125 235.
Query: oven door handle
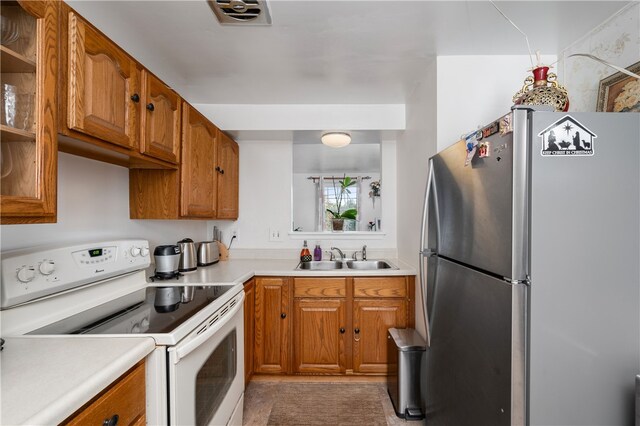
pixel 182 350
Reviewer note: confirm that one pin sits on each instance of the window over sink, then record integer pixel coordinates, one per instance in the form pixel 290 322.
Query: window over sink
pixel 319 175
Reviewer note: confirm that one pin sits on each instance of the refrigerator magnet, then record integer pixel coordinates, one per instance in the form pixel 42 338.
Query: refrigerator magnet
pixel 472 145
pixel 506 126
pixel 484 149
pixel 567 137
pixel 491 129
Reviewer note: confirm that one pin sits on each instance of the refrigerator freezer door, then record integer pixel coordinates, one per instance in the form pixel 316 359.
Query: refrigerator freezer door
pixel 475 206
pixel 475 364
pixel 585 274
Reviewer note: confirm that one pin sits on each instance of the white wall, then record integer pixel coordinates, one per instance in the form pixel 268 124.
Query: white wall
pixel 475 90
pixel 265 202
pixel 415 146
pixel 616 40
pixel 93 205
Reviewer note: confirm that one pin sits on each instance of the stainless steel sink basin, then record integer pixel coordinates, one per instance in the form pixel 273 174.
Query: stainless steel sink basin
pixel 321 265
pixel 369 264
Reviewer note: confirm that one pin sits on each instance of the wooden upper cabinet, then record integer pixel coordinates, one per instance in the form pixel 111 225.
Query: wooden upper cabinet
pixel 228 177
pixel 160 135
pixel 29 144
pixel 103 86
pixel 198 176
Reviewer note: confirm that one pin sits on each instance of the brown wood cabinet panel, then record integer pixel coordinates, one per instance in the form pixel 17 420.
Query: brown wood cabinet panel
pixel 319 334
pixel 125 398
pixel 103 80
pixel 379 287
pixel 28 187
pixel 249 328
pixel 228 177
pixel 154 194
pixel 272 336
pixel 160 136
pixel 319 287
pixel 371 320
pixel 198 185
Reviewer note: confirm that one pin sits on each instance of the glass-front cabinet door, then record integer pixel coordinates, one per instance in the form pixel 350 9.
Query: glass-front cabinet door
pixel 28 155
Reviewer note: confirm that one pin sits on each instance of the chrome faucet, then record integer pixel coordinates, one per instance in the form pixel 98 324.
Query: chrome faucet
pixel 339 251
pixel 363 251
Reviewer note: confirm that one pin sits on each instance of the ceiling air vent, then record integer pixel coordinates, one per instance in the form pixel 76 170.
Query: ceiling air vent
pixel 241 12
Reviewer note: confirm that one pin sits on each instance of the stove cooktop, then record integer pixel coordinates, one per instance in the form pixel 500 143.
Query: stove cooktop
pixel 162 311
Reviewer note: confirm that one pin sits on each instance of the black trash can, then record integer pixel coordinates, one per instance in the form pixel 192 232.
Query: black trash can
pixel 406 349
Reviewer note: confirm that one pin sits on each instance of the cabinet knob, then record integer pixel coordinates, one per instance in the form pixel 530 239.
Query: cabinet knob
pixel 135 97
pixel 218 169
pixel 113 421
pixel 357 331
pixel 283 315
pixel 221 171
pixel 342 330
pixel 150 107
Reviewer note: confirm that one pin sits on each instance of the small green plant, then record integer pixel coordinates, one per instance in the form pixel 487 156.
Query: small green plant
pixel 342 191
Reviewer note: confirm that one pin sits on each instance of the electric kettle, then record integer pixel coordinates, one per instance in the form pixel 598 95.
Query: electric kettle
pixel 188 258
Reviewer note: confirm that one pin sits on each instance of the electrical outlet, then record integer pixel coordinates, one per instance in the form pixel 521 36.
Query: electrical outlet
pixel 235 233
pixel 275 234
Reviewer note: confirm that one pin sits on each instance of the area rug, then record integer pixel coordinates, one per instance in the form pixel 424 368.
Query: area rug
pixel 327 404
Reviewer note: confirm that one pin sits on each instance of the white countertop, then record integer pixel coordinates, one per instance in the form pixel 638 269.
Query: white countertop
pixel 234 271
pixel 45 380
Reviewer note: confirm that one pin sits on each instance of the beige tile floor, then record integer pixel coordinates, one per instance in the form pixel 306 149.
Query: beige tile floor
pixel 262 391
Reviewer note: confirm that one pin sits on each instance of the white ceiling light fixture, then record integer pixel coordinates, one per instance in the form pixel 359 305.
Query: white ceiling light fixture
pixel 336 139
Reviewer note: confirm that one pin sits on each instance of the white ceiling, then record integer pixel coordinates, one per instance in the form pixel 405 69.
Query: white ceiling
pixel 338 52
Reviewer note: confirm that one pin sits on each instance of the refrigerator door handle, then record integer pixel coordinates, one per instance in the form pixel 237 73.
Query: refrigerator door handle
pixel 430 191
pixel 423 295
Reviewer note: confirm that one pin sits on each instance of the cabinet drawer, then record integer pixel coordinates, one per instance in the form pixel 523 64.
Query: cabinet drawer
pixel 125 398
pixel 379 287
pixel 320 287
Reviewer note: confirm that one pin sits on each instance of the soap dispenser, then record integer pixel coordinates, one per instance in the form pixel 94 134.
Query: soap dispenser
pixel 317 252
pixel 305 256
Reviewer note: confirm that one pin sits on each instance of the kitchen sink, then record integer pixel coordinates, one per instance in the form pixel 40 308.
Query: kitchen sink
pixel 320 265
pixel 369 264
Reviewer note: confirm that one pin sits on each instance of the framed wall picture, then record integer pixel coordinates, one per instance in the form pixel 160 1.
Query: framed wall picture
pixel 620 92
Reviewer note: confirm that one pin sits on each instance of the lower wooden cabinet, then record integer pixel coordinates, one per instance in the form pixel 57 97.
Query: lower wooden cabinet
pixel 319 335
pixel 328 325
pixel 249 328
pixel 371 320
pixel 125 398
pixel 272 334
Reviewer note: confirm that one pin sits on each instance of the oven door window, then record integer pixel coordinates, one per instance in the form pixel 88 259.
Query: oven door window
pixel 214 379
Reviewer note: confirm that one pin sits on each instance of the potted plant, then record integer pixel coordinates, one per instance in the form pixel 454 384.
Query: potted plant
pixel 342 194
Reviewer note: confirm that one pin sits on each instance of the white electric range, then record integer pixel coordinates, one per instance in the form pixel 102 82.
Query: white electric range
pixel 194 376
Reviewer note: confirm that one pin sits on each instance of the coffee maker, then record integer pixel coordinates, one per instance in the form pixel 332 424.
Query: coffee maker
pixel 167 258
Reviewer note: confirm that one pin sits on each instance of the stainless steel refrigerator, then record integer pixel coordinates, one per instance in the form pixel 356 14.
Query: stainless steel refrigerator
pixel 530 271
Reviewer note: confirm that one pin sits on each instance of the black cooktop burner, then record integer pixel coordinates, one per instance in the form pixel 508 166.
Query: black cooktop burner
pixel 162 311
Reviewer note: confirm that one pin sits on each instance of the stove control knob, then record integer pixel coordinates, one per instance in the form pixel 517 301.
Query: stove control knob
pixel 144 324
pixel 144 251
pixel 135 328
pixel 135 251
pixel 26 274
pixel 47 267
